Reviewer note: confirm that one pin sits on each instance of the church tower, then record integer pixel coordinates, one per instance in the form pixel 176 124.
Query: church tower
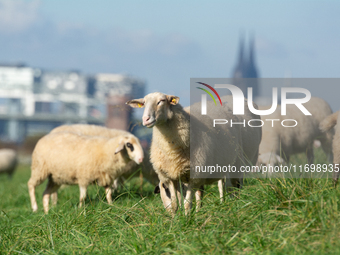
pixel 246 68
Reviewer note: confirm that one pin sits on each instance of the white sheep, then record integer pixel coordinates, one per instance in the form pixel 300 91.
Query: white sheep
pixel 327 126
pixel 8 161
pixel 131 168
pixel 69 158
pixel 279 142
pixel 172 149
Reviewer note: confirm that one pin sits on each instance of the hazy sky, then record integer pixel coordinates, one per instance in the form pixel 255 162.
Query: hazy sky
pixel 167 42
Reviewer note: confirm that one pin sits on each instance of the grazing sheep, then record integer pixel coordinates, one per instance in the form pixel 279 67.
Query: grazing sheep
pixel 279 143
pixel 69 158
pixel 326 126
pixel 170 148
pixel 131 168
pixel 8 161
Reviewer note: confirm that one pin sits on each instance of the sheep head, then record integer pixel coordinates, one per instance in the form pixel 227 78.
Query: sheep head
pixel 133 148
pixel 157 108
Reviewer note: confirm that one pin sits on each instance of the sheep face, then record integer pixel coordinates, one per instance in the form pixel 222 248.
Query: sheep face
pixel 133 148
pixel 157 108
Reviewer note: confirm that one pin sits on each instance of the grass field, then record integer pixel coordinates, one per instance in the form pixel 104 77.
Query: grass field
pixel 271 216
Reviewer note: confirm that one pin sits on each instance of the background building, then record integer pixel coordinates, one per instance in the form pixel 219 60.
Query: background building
pixel 246 74
pixel 116 90
pixel 246 68
pixel 34 101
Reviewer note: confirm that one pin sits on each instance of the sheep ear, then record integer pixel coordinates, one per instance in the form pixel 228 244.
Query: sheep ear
pixel 157 190
pixel 136 103
pixel 120 147
pixel 173 99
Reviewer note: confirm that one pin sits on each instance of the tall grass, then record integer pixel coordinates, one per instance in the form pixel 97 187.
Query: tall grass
pixel 273 216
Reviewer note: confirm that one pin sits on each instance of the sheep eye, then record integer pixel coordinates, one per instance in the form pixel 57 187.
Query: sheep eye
pixel 130 146
pixel 160 101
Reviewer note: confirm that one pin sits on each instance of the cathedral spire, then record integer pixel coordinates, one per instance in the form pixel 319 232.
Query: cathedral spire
pixel 251 67
pixel 251 49
pixel 241 51
pixel 239 68
pixel 246 67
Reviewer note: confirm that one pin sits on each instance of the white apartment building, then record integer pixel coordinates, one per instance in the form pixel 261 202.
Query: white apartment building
pixel 34 101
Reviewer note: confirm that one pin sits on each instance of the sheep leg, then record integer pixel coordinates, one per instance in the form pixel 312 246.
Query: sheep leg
pixel 82 197
pixel 179 197
pixel 188 199
pixel 115 185
pixel 179 194
pixel 220 189
pixel 173 195
pixel 50 189
pixel 31 190
pixel 54 197
pixel 108 191
pixel 165 196
pixel 199 196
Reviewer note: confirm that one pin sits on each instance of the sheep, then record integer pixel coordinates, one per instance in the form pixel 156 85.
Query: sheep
pixel 70 158
pixel 95 130
pixel 8 161
pixel 172 150
pixel 326 126
pixel 279 143
pixel 164 191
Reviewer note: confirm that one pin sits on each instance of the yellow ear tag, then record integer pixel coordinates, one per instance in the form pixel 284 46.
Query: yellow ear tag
pixel 140 105
pixel 173 100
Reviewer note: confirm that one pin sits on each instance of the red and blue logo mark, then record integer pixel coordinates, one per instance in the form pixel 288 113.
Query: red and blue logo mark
pixel 208 92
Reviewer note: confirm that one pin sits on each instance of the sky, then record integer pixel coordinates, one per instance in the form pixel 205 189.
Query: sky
pixel 166 43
